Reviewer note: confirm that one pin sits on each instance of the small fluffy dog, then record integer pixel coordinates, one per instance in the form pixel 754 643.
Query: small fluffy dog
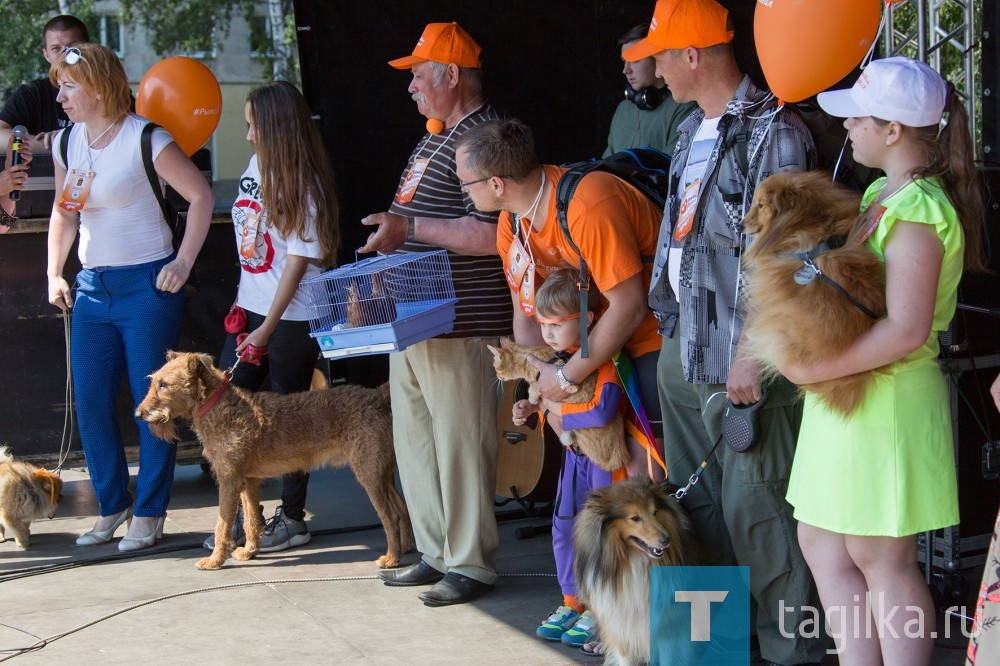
pixel 26 492
pixel 794 311
pixel 624 529
pixel 248 437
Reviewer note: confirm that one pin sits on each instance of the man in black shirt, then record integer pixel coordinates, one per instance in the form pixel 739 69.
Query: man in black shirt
pixel 33 104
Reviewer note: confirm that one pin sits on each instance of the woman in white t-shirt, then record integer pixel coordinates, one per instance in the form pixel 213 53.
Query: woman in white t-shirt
pixel 286 222
pixel 129 300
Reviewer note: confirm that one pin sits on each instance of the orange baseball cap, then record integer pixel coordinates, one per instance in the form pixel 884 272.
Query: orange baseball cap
pixel 678 24
pixel 445 43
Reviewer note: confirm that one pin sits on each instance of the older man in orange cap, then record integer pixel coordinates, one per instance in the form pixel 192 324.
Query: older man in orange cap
pixel 733 140
pixel 443 389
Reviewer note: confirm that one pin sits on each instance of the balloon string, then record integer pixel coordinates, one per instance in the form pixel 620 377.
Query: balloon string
pixel 881 27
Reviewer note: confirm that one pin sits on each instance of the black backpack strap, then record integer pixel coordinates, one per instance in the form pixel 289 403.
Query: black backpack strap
pixel 564 194
pixel 146 145
pixel 64 146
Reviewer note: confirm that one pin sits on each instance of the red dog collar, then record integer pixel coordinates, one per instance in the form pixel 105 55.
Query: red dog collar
pixel 214 398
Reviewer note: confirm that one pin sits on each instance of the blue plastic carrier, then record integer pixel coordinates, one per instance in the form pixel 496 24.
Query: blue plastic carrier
pixel 382 304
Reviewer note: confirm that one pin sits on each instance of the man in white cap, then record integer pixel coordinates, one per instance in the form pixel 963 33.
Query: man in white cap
pixel 739 504
pixel 443 389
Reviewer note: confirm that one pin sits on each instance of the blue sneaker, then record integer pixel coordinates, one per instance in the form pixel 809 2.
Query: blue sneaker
pixel 557 624
pixel 584 631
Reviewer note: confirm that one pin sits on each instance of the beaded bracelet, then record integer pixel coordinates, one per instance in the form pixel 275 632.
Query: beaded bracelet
pixel 6 219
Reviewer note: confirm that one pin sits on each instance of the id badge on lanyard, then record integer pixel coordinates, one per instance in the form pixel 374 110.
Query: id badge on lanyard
pixel 520 273
pixel 77 189
pixel 689 205
pixel 409 188
pixel 249 238
pixel 873 217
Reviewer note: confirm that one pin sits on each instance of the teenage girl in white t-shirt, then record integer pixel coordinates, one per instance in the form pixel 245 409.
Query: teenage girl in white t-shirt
pixel 286 222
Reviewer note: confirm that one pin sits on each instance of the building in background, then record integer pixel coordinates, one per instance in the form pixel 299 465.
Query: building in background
pixel 236 64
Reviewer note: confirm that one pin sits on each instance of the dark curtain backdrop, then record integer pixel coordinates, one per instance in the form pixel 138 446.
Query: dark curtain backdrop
pixel 553 63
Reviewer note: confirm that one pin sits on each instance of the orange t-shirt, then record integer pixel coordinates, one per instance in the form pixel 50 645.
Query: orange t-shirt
pixel 614 225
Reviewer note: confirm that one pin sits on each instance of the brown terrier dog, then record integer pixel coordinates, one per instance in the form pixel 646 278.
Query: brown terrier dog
pixel 248 437
pixel 26 492
pixel 807 301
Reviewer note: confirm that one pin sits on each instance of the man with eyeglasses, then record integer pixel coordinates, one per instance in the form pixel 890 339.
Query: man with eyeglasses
pixel 613 225
pixel 34 103
pixel 443 390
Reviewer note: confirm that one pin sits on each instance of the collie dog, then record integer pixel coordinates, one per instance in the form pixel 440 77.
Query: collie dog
pixel 810 279
pixel 622 530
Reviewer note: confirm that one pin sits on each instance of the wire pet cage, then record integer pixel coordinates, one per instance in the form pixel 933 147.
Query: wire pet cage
pixel 382 304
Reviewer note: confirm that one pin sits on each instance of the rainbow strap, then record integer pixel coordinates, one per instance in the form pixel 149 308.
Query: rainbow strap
pixel 636 422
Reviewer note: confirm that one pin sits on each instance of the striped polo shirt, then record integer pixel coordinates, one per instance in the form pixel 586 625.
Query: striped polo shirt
pixel 484 304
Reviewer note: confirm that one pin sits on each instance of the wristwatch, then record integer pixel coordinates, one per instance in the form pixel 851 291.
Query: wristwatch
pixel 565 384
pixel 411 229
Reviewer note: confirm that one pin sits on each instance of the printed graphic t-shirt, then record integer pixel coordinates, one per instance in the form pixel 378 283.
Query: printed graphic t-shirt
pixel 262 250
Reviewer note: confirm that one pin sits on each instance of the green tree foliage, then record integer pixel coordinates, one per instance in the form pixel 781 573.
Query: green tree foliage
pixel 188 26
pixel 193 26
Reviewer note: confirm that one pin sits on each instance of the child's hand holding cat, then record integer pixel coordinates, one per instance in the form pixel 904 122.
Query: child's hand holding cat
pixel 521 411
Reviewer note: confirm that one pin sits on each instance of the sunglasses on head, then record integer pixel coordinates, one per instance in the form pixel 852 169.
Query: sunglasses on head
pixel 72 55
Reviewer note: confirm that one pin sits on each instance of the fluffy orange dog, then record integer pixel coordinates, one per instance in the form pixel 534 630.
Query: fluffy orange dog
pixel 26 492
pixel 810 279
pixel 624 529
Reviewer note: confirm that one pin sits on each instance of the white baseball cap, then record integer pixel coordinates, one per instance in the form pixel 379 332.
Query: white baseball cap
pixel 897 89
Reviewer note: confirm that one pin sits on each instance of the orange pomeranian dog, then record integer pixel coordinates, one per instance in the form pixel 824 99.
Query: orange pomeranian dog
pixel 26 493
pixel 813 285
pixel 622 530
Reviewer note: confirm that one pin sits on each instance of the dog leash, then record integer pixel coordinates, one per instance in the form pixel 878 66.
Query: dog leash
pixel 214 398
pixel 680 493
pixel 810 270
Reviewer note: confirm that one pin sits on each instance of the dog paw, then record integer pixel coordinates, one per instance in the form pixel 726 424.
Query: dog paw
pixel 23 545
pixel 387 562
pixel 243 553
pixel 209 563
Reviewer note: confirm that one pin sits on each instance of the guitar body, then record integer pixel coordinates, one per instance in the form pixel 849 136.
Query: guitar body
pixel 528 458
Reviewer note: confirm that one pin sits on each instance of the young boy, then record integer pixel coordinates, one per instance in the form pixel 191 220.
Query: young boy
pixel 557 311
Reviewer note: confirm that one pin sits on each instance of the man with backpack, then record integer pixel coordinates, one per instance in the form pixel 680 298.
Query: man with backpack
pixel 612 224
pixel 736 138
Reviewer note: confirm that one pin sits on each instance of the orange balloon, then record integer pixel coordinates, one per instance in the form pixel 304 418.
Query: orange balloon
pixel 806 46
pixel 183 96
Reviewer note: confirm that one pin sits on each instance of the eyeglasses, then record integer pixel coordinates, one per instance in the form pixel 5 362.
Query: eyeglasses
pixel 465 185
pixel 72 55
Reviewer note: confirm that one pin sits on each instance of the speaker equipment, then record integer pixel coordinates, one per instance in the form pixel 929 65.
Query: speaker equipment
pixel 646 99
pixel 977 435
pixel 947 552
pixel 975 330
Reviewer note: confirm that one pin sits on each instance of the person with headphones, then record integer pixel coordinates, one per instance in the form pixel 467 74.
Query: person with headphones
pixel 648 116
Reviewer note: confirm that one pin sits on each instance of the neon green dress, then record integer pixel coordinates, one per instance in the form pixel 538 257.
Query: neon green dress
pixel 889 468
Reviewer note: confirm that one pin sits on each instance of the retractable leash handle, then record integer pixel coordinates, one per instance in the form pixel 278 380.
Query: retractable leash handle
pixel 741 423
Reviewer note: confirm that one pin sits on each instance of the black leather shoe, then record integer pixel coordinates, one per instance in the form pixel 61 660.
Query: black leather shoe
pixel 420 573
pixel 454 588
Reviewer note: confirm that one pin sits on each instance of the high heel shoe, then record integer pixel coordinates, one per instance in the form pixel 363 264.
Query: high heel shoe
pixel 93 537
pixel 138 543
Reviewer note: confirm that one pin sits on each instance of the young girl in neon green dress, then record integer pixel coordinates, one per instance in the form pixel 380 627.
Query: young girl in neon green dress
pixel 863 486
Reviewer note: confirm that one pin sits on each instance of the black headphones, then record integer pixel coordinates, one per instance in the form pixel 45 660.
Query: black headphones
pixel 646 99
